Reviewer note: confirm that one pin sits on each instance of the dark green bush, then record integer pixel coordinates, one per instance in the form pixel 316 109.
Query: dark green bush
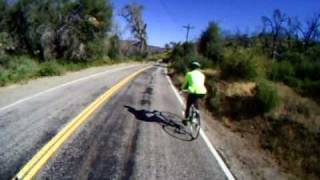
pixel 25 70
pixel 215 103
pixel 4 59
pixel 308 70
pixel 292 57
pixel 311 88
pixel 313 53
pixel 96 49
pixel 293 82
pixel 50 68
pixel 205 62
pixel 114 51
pixel 281 70
pixel 4 76
pixel 240 65
pixel 17 68
pixel 182 55
pixel 267 96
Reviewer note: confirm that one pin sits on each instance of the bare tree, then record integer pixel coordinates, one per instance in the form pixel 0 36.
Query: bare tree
pixel 274 27
pixel 292 30
pixel 133 15
pixel 311 30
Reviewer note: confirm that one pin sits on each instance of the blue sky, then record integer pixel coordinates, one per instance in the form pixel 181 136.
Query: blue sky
pixel 165 18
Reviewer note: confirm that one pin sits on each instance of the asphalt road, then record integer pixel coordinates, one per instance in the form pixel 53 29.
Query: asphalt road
pixel 137 134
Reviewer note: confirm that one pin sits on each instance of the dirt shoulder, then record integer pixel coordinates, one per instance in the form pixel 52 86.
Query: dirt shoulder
pixel 242 153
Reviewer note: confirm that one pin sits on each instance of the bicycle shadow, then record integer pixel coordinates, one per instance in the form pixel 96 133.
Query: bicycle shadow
pixel 170 122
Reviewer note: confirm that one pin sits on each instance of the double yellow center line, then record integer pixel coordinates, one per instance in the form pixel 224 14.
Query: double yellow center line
pixel 30 169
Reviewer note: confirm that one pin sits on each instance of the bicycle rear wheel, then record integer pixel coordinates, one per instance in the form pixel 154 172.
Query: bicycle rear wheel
pixel 194 125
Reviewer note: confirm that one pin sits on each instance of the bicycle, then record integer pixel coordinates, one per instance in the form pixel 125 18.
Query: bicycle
pixel 194 122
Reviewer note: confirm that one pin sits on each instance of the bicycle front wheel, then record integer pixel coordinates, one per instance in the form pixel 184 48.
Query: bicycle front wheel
pixel 195 124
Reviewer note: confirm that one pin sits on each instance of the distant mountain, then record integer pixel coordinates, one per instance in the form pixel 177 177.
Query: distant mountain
pixel 127 47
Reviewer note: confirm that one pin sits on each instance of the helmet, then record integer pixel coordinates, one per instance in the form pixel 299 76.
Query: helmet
pixel 195 65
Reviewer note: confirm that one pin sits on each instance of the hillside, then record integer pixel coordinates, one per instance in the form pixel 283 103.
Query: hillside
pixel 128 47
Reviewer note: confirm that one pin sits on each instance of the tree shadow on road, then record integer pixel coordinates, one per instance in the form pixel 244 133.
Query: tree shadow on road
pixel 170 122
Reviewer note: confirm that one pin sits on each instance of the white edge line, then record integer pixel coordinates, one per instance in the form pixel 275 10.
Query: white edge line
pixel 214 152
pixel 62 85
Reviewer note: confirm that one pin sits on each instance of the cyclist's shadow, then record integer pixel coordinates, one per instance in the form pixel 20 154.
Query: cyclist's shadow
pixel 170 122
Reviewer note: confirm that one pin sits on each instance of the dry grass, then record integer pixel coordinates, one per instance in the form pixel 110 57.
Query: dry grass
pixel 299 109
pixel 240 89
pixel 211 72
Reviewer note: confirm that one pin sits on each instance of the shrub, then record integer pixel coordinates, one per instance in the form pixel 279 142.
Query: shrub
pixel 182 55
pixel 293 82
pixel 267 96
pixel 215 101
pixel 205 62
pixel 313 53
pixel 308 70
pixel 50 68
pixel 311 88
pixel 240 65
pixel 292 57
pixel 24 71
pixel 95 49
pixel 114 51
pixel 4 59
pixel 17 68
pixel 4 76
pixel 281 70
pixel 181 64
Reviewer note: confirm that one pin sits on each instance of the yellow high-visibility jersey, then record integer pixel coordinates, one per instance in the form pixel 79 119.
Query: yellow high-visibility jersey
pixel 194 82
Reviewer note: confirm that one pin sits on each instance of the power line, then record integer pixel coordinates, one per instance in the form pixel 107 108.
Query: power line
pixel 188 27
pixel 168 12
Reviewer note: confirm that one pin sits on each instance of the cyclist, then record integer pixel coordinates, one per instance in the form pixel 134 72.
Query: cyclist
pixel 194 85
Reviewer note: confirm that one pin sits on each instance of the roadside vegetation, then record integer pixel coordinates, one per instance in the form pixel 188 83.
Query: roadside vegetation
pixel 265 84
pixel 48 38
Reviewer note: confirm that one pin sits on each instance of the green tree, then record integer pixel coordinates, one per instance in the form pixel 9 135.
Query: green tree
pixel 18 25
pixel 210 43
pixel 57 29
pixel 86 24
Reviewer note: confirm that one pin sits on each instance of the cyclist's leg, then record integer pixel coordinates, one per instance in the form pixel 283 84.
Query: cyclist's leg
pixel 190 100
pixel 197 97
pixel 188 105
pixel 196 102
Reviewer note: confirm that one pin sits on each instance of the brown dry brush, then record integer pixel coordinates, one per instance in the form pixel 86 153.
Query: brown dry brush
pixel 295 147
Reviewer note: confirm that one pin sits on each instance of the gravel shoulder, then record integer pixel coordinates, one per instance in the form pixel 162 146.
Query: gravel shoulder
pixel 242 153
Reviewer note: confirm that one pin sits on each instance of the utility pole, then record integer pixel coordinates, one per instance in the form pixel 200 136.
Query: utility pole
pixel 188 27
